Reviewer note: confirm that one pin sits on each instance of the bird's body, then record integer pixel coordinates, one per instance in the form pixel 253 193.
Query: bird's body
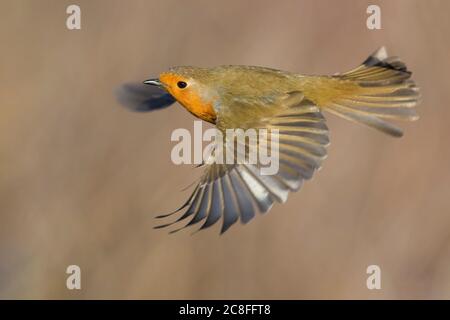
pixel 229 96
pixel 256 97
pixel 232 94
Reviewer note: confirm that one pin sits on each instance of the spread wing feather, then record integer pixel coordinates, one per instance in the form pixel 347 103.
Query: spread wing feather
pixel 234 192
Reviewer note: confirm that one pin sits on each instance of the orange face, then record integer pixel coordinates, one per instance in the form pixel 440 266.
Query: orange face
pixel 187 92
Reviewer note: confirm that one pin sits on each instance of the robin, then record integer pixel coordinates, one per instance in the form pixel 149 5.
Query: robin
pixel 257 97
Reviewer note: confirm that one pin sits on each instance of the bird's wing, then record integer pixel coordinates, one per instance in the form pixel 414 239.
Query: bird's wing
pixel 143 98
pixel 237 191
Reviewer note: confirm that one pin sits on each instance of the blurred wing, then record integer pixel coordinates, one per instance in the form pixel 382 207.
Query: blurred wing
pixel 233 192
pixel 143 98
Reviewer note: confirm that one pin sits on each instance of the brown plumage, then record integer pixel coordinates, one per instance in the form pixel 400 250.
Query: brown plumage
pixel 256 97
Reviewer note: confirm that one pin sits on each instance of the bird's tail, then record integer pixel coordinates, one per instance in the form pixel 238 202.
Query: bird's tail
pixel 380 88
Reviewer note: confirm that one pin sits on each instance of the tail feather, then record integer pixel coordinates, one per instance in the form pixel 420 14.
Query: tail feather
pixel 383 89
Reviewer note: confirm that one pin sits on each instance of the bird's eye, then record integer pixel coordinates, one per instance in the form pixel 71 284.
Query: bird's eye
pixel 181 84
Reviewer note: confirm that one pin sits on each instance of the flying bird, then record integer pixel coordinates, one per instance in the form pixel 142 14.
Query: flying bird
pixel 247 97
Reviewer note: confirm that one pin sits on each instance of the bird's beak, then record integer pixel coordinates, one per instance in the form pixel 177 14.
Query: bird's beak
pixel 153 82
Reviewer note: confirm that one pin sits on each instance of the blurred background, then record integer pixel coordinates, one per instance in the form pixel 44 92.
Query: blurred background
pixel 82 178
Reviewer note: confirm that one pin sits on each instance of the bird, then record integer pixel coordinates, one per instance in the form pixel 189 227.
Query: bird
pixel 234 96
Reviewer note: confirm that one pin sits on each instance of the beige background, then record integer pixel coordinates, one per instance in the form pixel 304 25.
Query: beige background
pixel 82 178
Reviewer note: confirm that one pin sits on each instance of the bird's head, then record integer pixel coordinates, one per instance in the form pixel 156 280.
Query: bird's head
pixel 190 87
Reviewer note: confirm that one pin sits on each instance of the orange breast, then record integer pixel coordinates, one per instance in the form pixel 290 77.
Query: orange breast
pixel 201 109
